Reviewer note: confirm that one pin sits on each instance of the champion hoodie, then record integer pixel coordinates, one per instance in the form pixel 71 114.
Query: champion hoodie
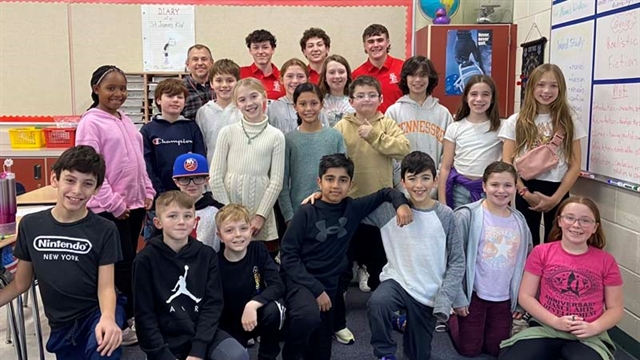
pixel 423 124
pixel 126 183
pixel 177 299
pixel 164 141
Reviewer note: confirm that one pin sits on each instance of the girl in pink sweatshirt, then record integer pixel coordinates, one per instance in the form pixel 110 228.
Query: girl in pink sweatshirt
pixel 127 192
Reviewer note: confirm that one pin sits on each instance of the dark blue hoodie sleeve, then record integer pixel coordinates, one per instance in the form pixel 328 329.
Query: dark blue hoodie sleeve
pixel 365 205
pixel 290 260
pixel 210 310
pixel 199 146
pixel 150 160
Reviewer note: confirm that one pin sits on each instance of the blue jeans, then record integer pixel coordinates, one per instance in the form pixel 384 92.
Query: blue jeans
pixel 78 340
pixel 462 196
pixel 147 231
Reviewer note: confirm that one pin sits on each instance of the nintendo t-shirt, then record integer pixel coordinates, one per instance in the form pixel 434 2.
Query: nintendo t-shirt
pixel 65 259
pixel 573 284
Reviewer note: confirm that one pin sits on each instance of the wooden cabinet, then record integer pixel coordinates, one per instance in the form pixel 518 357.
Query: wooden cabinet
pixel 30 172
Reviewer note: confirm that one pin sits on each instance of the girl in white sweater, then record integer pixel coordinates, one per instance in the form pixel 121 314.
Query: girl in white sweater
pixel 248 163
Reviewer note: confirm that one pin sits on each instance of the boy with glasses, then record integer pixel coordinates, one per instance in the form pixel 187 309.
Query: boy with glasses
pixel 191 176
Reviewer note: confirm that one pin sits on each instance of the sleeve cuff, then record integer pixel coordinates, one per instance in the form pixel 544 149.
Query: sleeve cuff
pixel 198 349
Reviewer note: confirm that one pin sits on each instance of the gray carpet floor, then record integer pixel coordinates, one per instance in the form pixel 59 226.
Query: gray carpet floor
pixel 442 349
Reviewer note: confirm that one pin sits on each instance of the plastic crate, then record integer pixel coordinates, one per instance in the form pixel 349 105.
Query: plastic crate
pixel 60 137
pixel 26 138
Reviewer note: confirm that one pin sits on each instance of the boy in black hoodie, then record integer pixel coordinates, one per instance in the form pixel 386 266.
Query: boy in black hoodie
pixel 250 283
pixel 177 290
pixel 313 255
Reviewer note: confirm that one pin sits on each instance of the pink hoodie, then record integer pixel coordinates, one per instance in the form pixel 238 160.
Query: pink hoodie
pixel 126 184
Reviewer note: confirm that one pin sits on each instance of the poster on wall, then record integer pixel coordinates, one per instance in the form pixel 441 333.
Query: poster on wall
pixel 167 33
pixel 532 57
pixel 468 54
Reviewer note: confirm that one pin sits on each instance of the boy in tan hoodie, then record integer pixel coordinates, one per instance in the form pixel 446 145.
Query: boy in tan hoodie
pixel 372 141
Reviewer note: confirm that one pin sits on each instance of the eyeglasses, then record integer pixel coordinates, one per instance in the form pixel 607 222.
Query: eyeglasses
pixel 198 180
pixel 372 96
pixel 570 220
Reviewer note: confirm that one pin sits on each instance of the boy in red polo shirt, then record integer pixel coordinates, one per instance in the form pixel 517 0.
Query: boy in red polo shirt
pixel 262 46
pixel 385 68
pixel 315 44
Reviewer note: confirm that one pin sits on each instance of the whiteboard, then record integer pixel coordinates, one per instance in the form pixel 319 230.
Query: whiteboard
pixel 597 46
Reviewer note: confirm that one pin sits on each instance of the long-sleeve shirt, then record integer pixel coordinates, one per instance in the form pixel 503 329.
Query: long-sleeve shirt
pixel 254 277
pixel 314 247
pixel 303 152
pixel 248 168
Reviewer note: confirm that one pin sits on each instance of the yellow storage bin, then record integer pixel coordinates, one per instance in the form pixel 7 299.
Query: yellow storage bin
pixel 26 138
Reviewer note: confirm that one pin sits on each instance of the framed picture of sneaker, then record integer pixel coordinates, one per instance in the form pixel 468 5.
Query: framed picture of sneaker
pixel 460 51
pixel 532 57
pixel 469 53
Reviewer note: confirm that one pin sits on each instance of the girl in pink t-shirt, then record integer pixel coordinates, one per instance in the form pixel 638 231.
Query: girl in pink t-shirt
pixel 580 291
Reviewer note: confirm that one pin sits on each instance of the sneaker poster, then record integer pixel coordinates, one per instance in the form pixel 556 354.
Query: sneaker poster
pixel 468 53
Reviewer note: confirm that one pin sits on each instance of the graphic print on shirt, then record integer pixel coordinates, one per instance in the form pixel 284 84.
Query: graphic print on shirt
pixel 335 229
pixel 545 133
pixel 256 279
pixel 62 248
pixel 161 141
pixel 393 78
pixel 181 288
pixel 500 247
pixel 276 86
pixel 194 232
pixel 423 127
pixel 568 289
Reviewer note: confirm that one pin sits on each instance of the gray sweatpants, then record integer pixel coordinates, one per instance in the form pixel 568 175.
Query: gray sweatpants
pixel 388 298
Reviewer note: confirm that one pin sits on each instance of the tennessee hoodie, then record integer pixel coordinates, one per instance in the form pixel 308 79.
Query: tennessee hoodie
pixel 164 141
pixel 373 156
pixel 126 183
pixel 177 299
pixel 423 124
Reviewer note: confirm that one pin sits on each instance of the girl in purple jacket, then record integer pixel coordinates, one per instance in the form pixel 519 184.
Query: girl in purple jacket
pixel 127 192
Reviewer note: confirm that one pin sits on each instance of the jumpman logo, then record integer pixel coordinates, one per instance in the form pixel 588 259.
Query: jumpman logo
pixel 326 231
pixel 181 287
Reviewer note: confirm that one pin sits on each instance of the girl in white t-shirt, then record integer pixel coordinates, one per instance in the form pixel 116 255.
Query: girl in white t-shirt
pixel 470 144
pixel 544 112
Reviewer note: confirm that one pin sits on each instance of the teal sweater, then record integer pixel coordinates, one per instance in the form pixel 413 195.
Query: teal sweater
pixel 302 157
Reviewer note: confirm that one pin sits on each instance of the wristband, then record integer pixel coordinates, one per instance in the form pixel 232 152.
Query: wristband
pixel 523 191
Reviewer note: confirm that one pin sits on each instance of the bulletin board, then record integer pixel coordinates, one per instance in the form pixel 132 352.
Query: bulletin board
pixel 50 48
pixel 597 46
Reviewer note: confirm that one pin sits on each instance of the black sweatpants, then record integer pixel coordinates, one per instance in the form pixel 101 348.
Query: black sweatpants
pixel 534 217
pixel 129 231
pixel 310 330
pixel 268 329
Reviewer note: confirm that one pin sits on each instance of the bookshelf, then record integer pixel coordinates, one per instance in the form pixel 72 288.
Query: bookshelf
pixel 141 87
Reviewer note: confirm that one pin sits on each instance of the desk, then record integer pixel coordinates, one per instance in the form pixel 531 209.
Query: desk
pixel 46 195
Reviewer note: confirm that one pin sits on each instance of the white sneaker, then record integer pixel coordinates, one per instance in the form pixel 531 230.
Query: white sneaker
pixel 344 336
pixel 363 278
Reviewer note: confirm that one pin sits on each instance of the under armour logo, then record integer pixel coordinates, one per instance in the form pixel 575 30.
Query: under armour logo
pixel 326 231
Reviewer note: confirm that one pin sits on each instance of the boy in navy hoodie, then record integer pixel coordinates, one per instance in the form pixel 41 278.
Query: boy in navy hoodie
pixel 251 284
pixel 177 290
pixel 313 255
pixel 167 136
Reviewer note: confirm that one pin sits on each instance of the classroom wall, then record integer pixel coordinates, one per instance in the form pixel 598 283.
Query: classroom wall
pixel 620 209
pixel 67 42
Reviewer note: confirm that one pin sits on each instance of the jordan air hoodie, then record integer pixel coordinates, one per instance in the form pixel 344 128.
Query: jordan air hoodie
pixel 177 299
